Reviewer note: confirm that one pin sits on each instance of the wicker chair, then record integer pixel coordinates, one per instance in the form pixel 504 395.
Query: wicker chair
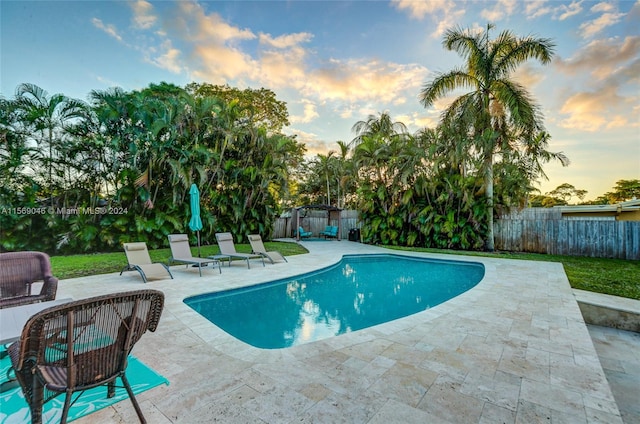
pixel 81 345
pixel 18 273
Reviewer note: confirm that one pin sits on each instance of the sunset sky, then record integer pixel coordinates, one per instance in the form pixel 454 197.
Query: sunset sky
pixel 336 62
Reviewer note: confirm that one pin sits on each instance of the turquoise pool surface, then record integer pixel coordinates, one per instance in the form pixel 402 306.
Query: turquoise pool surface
pixel 358 292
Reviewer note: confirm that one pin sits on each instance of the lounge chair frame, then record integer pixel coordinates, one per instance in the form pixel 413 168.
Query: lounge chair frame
pixel 228 248
pixel 138 259
pixel 181 253
pixel 258 248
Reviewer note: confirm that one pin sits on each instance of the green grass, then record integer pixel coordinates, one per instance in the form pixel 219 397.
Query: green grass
pixel 73 266
pixel 617 277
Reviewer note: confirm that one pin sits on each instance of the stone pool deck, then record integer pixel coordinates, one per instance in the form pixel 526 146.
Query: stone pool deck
pixel 514 349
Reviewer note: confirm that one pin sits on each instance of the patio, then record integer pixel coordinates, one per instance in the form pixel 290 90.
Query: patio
pixel 513 349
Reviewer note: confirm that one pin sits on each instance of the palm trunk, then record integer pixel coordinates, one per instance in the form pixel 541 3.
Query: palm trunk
pixel 488 184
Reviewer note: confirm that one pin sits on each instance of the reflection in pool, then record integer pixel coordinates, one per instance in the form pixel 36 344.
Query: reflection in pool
pixel 358 292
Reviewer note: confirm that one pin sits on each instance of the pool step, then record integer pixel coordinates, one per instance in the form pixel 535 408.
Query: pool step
pixel 609 311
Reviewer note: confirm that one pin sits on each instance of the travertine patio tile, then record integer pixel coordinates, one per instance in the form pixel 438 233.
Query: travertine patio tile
pixel 553 397
pixel 532 413
pixel 405 383
pixel 226 409
pixel 492 414
pixel 397 412
pixel 504 394
pixel 444 401
pixel 278 406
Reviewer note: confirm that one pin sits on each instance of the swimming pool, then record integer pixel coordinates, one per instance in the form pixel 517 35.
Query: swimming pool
pixel 359 291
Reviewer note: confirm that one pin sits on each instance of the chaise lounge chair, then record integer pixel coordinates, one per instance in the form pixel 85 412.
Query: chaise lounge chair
pixel 181 253
pixel 228 248
pixel 258 247
pixel 303 234
pixel 18 273
pixel 138 259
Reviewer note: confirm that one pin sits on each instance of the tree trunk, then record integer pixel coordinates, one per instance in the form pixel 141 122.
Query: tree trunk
pixel 488 183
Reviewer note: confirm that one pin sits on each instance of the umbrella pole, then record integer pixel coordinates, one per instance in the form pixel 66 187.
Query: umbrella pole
pixel 199 244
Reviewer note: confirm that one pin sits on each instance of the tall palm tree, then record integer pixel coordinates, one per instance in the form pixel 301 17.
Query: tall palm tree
pixel 325 164
pixel 49 115
pixel 498 112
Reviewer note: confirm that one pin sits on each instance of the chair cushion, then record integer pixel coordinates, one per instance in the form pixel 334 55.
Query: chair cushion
pixel 135 246
pixel 178 237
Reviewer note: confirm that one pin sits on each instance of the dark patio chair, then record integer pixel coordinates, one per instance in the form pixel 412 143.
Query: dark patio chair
pixel 81 345
pixel 20 272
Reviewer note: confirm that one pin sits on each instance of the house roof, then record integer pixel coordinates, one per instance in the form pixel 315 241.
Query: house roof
pixel 320 207
pixel 628 206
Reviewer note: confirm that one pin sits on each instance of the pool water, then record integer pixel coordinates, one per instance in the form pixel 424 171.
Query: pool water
pixel 358 292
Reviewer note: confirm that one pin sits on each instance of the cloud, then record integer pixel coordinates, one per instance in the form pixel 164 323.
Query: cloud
pixel 108 28
pixel 568 11
pixel 591 28
pixel 528 75
pixel 310 113
pixel 420 9
pixel 418 120
pixel 500 9
pixel 282 62
pixel 443 12
pixel 612 67
pixel 536 9
pixel 214 51
pixel 143 16
pixel 170 59
pixel 285 41
pixel 602 58
pixel 603 7
pixel 364 80
pixel 596 110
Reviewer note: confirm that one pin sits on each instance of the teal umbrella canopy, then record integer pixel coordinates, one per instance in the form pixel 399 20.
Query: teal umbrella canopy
pixel 196 223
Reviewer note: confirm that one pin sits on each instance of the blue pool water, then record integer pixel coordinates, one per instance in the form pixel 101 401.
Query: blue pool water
pixel 358 292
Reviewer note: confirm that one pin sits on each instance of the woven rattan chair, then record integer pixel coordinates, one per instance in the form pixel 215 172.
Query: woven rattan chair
pixel 81 345
pixel 20 273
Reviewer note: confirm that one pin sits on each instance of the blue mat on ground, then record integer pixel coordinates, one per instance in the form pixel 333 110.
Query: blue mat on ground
pixel 14 409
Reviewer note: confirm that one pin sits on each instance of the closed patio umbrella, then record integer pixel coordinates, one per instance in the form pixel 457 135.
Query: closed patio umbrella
pixel 195 224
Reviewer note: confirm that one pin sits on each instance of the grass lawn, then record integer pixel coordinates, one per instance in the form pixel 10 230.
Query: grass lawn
pixel 610 276
pixel 103 263
pixel 617 277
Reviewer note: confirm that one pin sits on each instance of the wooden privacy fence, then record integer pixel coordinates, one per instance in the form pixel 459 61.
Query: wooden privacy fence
pixel 541 230
pixel 316 221
pixel 536 230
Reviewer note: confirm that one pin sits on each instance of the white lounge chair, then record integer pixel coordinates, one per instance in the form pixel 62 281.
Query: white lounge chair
pixel 258 247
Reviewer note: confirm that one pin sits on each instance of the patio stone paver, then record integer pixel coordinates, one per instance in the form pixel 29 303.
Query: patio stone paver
pixel 514 349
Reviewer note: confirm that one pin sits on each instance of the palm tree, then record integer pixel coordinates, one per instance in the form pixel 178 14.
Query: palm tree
pixel 381 126
pixel 49 115
pixel 497 112
pixel 325 164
